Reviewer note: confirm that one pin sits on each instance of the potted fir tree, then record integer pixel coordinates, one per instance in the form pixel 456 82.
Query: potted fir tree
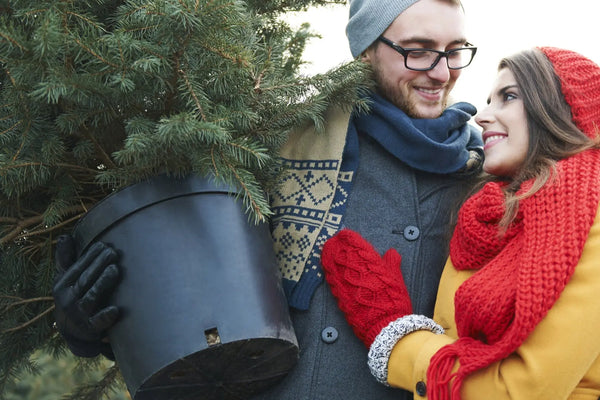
pixel 111 99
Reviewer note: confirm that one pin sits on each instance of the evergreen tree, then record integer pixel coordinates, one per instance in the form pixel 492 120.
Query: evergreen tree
pixel 98 94
pixel 54 382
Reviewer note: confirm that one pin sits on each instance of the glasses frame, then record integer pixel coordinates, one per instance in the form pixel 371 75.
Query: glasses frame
pixel 406 51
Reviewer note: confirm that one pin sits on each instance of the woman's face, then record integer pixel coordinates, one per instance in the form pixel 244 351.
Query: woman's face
pixel 505 131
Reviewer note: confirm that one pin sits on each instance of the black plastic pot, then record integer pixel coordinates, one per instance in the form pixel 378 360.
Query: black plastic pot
pixel 204 313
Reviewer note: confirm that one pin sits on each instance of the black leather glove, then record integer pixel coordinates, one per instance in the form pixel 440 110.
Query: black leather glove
pixel 81 291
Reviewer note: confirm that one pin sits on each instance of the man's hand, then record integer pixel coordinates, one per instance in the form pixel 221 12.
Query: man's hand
pixel 81 291
pixel 369 288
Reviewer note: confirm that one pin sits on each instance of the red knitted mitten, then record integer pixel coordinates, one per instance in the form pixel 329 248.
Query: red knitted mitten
pixel 369 288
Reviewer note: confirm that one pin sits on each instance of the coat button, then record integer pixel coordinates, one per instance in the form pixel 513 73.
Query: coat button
pixel 329 334
pixel 421 388
pixel 411 232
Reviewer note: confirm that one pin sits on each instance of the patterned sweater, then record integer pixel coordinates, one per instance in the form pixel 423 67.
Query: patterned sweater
pixel 309 204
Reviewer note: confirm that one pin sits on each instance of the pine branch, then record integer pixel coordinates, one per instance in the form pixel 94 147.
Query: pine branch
pixel 12 40
pixel 100 150
pixel 193 94
pixel 99 94
pixel 30 322
pixel 89 50
pixel 11 128
pixel 20 301
pixel 97 390
pixel 21 227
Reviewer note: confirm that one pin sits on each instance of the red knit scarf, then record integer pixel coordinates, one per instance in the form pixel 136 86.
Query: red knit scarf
pixel 520 275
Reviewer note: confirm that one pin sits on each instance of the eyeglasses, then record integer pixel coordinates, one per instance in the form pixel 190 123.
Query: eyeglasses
pixel 427 59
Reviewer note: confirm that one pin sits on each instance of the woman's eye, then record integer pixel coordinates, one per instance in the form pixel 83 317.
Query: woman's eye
pixel 509 96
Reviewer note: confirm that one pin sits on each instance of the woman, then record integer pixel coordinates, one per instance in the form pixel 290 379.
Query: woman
pixel 517 314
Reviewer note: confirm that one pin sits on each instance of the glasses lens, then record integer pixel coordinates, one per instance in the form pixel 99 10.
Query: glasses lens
pixel 421 59
pixel 460 58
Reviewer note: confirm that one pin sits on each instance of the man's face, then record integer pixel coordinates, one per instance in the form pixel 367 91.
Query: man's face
pixel 431 24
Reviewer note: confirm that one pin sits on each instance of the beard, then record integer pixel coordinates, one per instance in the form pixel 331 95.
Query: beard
pixel 399 99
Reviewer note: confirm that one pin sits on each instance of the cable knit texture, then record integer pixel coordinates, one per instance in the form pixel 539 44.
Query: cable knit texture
pixel 521 275
pixel 369 288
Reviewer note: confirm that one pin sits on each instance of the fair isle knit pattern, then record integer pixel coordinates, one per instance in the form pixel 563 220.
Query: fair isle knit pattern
pixel 309 203
pixel 303 225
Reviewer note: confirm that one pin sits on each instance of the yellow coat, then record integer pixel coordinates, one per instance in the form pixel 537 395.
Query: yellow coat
pixel 560 359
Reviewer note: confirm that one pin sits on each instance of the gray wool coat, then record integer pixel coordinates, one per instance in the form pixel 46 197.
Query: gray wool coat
pixel 391 205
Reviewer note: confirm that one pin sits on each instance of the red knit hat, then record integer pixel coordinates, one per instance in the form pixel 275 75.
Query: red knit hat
pixel 521 275
pixel 580 82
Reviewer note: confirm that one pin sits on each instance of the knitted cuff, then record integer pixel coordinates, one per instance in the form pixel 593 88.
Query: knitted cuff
pixel 381 349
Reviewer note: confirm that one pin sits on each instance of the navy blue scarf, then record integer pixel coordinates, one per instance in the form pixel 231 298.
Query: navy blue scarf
pixel 439 145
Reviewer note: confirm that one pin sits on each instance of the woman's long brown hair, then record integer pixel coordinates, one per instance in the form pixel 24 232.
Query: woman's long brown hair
pixel 552 133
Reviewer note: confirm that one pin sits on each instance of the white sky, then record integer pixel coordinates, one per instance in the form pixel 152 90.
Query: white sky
pixel 497 27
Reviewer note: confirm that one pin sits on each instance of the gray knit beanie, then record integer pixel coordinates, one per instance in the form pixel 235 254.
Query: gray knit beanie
pixel 369 19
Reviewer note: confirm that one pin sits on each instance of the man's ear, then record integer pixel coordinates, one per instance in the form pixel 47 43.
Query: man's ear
pixel 366 57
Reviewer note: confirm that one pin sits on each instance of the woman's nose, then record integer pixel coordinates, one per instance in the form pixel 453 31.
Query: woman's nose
pixel 484 117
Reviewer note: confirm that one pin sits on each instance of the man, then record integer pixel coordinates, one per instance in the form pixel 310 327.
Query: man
pixel 394 174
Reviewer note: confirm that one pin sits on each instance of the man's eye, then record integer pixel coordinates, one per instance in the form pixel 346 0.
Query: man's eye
pixel 420 54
